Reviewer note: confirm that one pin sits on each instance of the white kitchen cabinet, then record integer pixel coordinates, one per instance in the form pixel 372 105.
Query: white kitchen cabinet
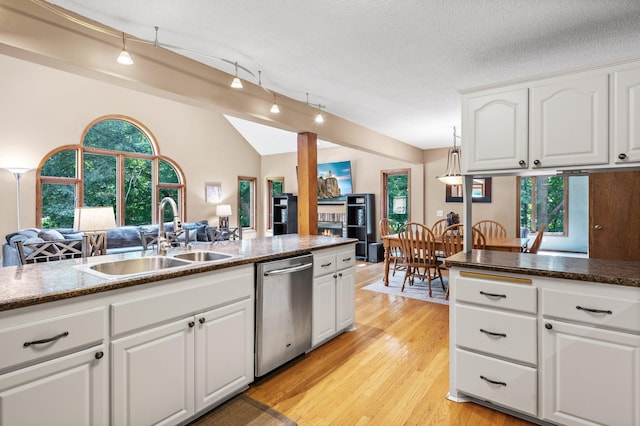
pixel 626 115
pixel 68 390
pixel 496 131
pixel 590 376
pixel 577 120
pixel 333 293
pixel 569 122
pixel 197 360
pixel 153 375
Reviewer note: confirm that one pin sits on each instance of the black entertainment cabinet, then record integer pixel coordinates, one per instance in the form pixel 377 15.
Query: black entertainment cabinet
pixel 361 216
pixel 285 214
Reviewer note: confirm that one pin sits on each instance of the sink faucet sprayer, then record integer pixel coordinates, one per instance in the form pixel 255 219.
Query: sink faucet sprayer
pixel 163 243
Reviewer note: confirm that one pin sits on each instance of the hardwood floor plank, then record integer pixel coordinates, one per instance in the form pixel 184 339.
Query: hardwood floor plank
pixel 393 370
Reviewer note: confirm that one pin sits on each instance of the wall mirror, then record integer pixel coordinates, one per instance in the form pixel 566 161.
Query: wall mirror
pixel 481 191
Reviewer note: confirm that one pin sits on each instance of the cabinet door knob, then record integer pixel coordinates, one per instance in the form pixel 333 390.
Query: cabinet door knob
pixel 202 320
pixel 99 354
pixel 548 326
pixel 622 156
pixel 536 162
pixel 522 163
pixel 597 227
pixel 192 324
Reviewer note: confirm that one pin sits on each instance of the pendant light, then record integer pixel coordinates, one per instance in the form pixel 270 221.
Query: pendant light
pixel 453 175
pixel 236 83
pixel 275 108
pixel 124 58
pixel 319 117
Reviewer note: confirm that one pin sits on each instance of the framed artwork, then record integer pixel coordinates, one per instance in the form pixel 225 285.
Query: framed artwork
pixel 334 182
pixel 481 191
pixel 213 192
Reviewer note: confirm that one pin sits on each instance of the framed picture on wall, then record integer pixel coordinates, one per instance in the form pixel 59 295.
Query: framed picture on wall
pixel 213 192
pixel 481 191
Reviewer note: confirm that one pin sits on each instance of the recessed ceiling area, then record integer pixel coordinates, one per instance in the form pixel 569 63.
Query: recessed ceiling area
pixel 392 66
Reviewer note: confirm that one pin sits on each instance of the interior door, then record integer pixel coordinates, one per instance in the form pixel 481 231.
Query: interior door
pixel 614 223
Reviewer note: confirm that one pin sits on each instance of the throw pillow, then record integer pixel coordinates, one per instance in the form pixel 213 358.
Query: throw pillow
pixel 50 235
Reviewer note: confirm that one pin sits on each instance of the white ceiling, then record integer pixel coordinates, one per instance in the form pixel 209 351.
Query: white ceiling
pixel 394 66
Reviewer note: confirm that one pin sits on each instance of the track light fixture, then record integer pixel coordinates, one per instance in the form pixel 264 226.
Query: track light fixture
pixel 124 58
pixel 236 83
pixel 319 118
pixel 274 108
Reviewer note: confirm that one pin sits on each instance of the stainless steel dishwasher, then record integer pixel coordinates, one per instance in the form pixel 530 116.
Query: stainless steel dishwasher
pixel 284 291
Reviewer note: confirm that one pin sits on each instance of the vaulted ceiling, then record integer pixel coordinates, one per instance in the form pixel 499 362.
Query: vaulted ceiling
pixel 394 66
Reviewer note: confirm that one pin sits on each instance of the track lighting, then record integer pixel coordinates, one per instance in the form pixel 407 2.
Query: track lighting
pixel 275 108
pixel 236 83
pixel 124 58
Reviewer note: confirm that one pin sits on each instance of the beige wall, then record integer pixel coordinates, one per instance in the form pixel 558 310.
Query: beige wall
pixel 44 108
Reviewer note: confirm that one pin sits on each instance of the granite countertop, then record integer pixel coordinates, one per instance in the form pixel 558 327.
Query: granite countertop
pixel 570 268
pixel 32 284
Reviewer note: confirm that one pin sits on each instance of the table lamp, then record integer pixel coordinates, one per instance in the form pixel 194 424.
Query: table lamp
pixel 223 211
pixel 94 222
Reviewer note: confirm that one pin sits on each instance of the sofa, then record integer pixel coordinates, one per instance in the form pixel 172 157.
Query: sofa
pixel 119 240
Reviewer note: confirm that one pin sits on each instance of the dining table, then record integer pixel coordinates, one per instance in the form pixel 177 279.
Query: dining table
pixel 492 243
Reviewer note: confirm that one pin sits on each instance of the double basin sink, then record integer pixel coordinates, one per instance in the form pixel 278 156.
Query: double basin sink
pixel 156 263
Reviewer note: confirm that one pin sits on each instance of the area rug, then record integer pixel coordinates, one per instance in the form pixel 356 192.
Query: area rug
pixel 419 290
pixel 243 410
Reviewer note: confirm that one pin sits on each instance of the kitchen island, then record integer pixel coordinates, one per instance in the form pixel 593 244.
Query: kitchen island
pixel 84 347
pixel 548 338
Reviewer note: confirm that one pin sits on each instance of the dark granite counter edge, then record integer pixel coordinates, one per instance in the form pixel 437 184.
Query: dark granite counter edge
pixel 195 268
pixel 587 270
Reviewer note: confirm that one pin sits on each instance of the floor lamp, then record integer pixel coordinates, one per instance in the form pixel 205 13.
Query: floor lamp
pixel 18 172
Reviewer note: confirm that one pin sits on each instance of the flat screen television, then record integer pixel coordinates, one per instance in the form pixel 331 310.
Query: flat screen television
pixel 334 182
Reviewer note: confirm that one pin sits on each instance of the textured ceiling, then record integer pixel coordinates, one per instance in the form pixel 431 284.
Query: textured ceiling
pixel 394 66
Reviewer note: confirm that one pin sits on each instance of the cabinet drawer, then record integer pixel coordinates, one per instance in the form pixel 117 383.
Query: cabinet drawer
pixel 496 291
pixel 346 258
pixel 516 384
pixel 20 344
pixel 500 333
pixel 324 263
pixel 610 311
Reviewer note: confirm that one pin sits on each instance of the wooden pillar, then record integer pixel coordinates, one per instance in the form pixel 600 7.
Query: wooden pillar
pixel 307 184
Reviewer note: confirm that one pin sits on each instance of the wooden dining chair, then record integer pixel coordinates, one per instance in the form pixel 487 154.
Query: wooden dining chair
pixel 418 247
pixel 491 229
pixel 452 243
pixel 535 245
pixel 439 227
pixel 395 253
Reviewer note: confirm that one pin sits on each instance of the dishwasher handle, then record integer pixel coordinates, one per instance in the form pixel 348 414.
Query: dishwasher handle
pixel 289 270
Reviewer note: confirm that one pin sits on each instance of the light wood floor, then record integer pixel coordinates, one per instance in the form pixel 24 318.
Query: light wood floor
pixel 393 370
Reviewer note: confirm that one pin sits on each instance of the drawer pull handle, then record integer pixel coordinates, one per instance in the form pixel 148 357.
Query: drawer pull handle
pixel 348 259
pixel 50 339
pixel 326 265
pixel 490 333
pixel 484 293
pixel 595 311
pixel 493 381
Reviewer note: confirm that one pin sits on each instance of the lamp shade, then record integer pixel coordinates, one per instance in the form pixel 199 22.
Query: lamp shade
pixel 93 219
pixel 223 210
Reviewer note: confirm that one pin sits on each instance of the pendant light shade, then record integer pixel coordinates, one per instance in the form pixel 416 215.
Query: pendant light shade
pixel 319 118
pixel 453 174
pixel 275 108
pixel 124 58
pixel 236 83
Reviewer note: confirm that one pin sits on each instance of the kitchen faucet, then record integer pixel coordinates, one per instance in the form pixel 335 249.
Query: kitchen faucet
pixel 163 243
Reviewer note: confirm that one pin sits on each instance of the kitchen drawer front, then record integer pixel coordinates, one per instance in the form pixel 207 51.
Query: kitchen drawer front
pixel 611 312
pixel 181 299
pixel 496 291
pixel 62 334
pixel 346 258
pixel 324 263
pixel 516 386
pixel 514 334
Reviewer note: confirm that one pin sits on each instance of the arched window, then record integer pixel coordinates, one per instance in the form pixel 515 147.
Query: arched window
pixel 117 164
